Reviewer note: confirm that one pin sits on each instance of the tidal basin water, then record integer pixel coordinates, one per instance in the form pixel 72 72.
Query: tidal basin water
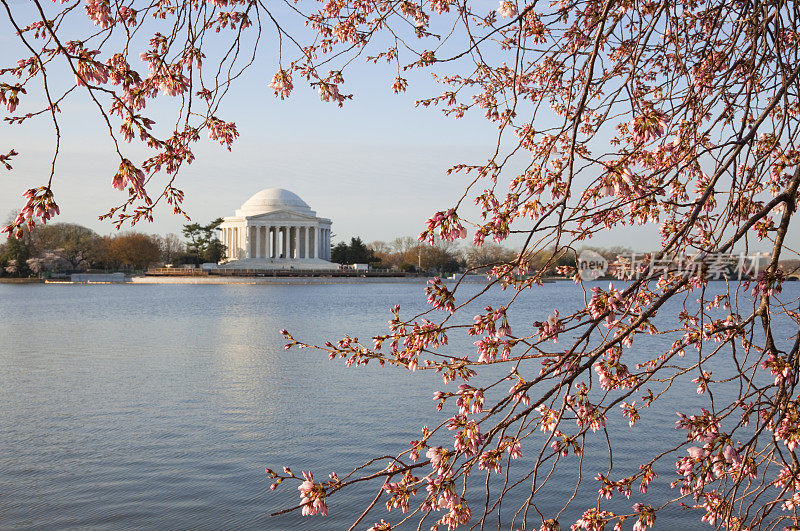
pixel 158 406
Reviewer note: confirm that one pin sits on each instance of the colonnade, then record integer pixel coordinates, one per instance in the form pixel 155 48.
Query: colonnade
pixel 274 242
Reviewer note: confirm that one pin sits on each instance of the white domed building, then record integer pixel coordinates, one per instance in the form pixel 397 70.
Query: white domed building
pixel 275 229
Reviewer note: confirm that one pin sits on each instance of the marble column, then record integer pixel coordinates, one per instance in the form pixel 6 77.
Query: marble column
pixel 249 242
pixel 254 246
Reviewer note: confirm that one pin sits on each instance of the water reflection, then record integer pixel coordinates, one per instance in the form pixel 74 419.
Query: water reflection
pixel 159 406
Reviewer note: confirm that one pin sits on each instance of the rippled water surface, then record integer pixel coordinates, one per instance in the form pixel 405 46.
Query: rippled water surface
pixel 158 406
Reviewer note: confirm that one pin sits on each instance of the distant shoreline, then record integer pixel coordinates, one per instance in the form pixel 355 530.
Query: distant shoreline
pixel 276 280
pixel 289 280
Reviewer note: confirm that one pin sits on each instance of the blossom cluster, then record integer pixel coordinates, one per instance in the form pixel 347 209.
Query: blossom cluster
pixel 9 95
pixel 312 496
pixel 131 177
pixel 39 204
pixel 448 225
pixel 439 296
pixel 282 83
pixel 224 132
pixel 4 159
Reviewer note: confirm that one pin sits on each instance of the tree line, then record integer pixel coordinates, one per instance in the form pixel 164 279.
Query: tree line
pixel 444 257
pixel 69 247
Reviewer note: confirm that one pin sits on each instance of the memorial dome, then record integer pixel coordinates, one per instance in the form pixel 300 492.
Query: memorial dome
pixel 275 229
pixel 271 200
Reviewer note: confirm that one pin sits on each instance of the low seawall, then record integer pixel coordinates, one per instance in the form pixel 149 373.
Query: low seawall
pixel 175 279
pixel 277 273
pixel 98 277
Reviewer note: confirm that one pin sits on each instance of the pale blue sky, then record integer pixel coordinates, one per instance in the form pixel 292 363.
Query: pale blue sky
pixel 376 167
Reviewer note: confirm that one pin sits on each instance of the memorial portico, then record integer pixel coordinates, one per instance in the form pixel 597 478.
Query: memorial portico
pixel 275 229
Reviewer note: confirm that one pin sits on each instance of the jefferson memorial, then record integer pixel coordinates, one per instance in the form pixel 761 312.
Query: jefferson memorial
pixel 275 229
